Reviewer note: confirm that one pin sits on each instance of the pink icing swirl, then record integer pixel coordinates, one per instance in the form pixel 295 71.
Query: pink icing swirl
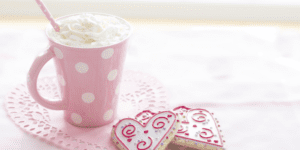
pixel 205 133
pixel 144 143
pixel 156 125
pixel 146 118
pixel 182 107
pixel 198 119
pixel 145 112
pixel 128 131
pixel 181 130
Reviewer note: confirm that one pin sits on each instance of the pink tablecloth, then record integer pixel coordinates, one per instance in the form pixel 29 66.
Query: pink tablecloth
pixel 248 76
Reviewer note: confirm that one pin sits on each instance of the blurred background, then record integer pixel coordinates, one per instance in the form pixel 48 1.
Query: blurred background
pixel 233 10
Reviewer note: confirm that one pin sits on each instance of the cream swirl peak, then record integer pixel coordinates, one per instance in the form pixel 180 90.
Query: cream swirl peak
pixel 89 30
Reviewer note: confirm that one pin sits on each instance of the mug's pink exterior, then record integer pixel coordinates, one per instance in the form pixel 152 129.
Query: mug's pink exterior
pixel 89 81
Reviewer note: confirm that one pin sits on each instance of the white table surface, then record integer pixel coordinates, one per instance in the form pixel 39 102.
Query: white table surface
pixel 248 76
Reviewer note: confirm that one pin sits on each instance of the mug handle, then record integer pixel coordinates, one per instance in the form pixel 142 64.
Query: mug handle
pixel 32 76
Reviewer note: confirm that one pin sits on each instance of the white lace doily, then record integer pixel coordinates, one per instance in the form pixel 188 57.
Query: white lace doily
pixel 138 92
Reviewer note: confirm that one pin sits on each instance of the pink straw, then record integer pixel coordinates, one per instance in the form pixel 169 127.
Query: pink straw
pixel 48 15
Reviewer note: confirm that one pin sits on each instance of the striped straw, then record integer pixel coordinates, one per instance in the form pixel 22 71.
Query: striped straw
pixel 48 15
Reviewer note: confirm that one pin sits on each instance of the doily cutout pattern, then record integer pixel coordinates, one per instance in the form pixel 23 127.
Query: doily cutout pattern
pixel 138 91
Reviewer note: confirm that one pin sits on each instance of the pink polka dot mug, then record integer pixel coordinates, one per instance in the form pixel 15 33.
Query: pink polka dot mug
pixel 89 80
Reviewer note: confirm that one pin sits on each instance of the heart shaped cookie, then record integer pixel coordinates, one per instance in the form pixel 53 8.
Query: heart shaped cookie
pixel 198 128
pixel 154 134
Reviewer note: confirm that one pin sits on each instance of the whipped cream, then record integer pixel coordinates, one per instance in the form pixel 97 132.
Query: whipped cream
pixel 89 30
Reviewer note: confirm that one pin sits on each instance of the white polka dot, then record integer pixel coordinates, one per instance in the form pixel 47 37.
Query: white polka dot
pixel 61 80
pixel 58 53
pixel 117 89
pixel 76 118
pixel 108 115
pixel 82 67
pixel 112 75
pixel 107 53
pixel 88 97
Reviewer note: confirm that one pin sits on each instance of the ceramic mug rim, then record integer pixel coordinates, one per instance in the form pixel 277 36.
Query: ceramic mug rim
pixel 49 26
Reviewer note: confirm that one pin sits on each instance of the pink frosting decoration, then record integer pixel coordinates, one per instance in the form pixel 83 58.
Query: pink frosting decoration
pixel 145 112
pixel 146 118
pixel 181 130
pixel 206 137
pixel 144 143
pixel 202 123
pixel 182 107
pixel 185 122
pixel 145 132
pixel 129 133
pixel 159 127
pixel 197 120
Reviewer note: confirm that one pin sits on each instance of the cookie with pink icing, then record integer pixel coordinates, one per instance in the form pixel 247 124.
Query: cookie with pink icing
pixel 198 128
pixel 144 116
pixel 154 134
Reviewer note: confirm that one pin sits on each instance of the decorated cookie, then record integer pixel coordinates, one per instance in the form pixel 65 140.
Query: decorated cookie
pixel 198 128
pixel 144 116
pixel 154 134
